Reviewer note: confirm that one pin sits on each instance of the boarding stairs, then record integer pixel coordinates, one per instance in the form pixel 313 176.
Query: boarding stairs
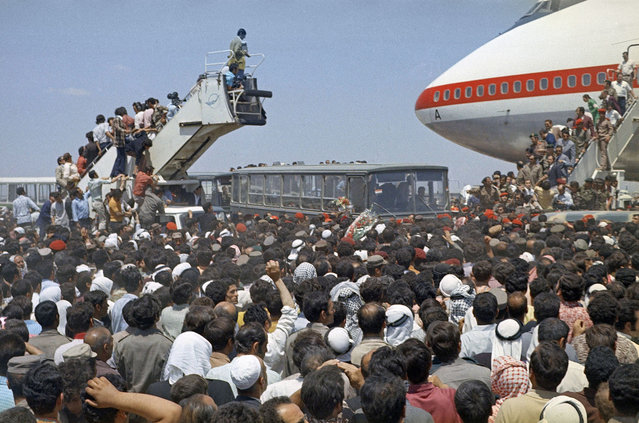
pixel 209 111
pixel 623 152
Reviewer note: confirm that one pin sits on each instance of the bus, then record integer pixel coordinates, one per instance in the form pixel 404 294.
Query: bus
pixel 389 190
pixel 37 188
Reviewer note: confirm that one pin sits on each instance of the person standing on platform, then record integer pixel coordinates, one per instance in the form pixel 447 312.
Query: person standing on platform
pixel 239 51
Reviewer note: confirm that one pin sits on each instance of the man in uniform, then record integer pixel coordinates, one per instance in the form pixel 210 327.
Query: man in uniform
pixel 601 197
pixel 577 199
pixel 587 195
pixel 605 130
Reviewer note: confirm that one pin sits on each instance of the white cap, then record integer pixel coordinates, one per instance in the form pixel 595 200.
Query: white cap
pixel 339 340
pixel 563 409
pixel 82 268
pixel 448 284
pixel 245 371
pixel 177 270
pixel 326 234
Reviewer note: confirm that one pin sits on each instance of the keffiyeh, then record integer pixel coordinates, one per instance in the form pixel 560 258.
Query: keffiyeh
pixel 509 379
pixel 189 355
pixel 304 272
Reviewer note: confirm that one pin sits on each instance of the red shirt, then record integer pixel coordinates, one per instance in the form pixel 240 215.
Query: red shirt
pixel 440 403
pixel 81 165
pixel 142 180
pixel 570 312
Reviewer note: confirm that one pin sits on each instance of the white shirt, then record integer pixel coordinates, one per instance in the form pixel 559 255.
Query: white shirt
pixel 623 89
pixel 99 132
pixel 283 388
pixel 575 379
pixel 477 341
pixel 613 116
pixel 626 67
pixel 275 358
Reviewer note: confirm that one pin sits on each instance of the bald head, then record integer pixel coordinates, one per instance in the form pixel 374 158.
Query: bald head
pixel 100 341
pixel 371 318
pixel 225 308
pixel 517 305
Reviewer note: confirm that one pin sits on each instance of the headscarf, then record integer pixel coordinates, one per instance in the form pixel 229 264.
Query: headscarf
pixel 189 355
pixel 102 283
pixel 399 324
pixel 506 339
pixel 348 293
pixel 177 270
pixel 304 272
pixel 461 299
pixel 508 379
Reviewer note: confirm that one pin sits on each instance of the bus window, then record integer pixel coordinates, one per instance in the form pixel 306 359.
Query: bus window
pixel 256 189
pixel 244 189
pixel 312 192
pixel 334 187
pixel 394 192
pixel 31 190
pixel 273 190
pixel 236 188
pixel 208 193
pixel 357 193
pixel 291 191
pixel 4 193
pixel 431 191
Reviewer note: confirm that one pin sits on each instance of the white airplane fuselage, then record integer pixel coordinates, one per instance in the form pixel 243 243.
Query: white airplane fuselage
pixel 491 100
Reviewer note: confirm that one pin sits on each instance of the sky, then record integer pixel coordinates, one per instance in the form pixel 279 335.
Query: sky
pixel 345 75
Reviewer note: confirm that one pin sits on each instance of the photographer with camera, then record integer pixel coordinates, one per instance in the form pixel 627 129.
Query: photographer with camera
pixel 174 106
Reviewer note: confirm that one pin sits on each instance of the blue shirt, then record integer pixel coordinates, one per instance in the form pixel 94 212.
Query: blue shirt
pixel 6 395
pixel 45 214
pixel 117 320
pixel 94 187
pixel 34 327
pixel 80 208
pixel 22 207
pixel 230 79
pixel 550 139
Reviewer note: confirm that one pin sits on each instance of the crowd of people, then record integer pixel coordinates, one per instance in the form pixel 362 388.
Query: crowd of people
pixel 458 317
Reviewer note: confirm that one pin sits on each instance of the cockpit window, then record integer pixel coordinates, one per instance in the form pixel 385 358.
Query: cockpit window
pixel 543 8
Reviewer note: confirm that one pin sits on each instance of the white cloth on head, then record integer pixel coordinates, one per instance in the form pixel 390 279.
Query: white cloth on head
pixel 177 270
pixel 150 287
pixel 189 355
pixel 448 284
pixel 511 348
pixel 102 283
pixel 51 293
pixel 399 324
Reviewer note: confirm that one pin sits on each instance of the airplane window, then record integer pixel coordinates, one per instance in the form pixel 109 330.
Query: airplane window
pixel 585 79
pixel 572 80
pixel 492 89
pixel 469 92
pixel 543 83
pixel 601 77
pixel 530 85
pixel 457 93
pixel 556 82
pixel 480 90
pixel 517 86
pixel 446 95
pixel 436 97
pixel 504 87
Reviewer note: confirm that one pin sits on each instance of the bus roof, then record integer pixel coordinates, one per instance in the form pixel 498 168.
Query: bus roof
pixel 27 180
pixel 339 168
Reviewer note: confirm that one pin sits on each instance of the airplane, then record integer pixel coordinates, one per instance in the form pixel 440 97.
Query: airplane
pixel 494 98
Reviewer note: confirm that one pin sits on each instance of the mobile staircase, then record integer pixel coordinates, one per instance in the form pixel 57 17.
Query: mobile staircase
pixel 208 112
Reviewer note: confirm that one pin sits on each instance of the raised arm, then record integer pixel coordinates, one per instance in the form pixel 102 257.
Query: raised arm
pixel 152 408
pixel 274 272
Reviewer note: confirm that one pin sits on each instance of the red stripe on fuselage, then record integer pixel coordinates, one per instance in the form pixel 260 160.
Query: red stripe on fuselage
pixel 426 99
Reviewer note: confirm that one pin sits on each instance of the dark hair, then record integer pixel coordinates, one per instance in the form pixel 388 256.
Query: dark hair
pixel 474 401
pixel 219 331
pixel 600 364
pixel 624 389
pixel 373 289
pixel 313 358
pixel 19 327
pixel 11 345
pixel 131 278
pixel 322 391
pixel 144 312
pixel 21 288
pixel 197 318
pixel 571 286
pixel 546 305
pixel 95 298
pixel 304 342
pixel 18 415
pixel 46 313
pixel 386 360
pixel 217 289
pixel 602 308
pixel 79 318
pixel 418 360
pixel 601 335
pixel 42 387
pixel 25 305
pixel 443 339
pixel 627 313
pixel 103 415
pixel 268 410
pixel 552 329
pixel 248 335
pixel 236 412
pixel 314 303
pixel 188 385
pixel 75 373
pixel 195 410
pixel 10 271
pixel 485 307
pixel 371 318
pixel 383 399
pixel 549 363
pixel 256 313
pixel 181 293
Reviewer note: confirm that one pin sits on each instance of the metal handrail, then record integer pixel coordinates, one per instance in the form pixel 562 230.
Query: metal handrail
pixel 216 67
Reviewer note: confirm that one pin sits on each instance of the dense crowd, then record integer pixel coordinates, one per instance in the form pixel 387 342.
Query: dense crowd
pixel 453 318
